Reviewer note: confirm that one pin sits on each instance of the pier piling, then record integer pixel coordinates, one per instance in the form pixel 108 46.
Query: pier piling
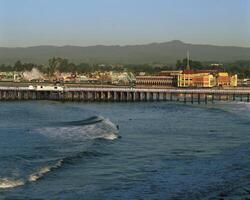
pixel 124 94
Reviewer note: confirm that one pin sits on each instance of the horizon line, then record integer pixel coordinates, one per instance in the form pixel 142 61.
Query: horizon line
pixel 125 45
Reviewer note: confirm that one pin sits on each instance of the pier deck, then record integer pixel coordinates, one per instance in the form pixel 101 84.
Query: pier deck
pixel 123 94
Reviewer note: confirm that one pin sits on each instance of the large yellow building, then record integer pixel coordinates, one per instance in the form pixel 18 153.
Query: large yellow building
pixel 191 78
pixel 224 79
pixel 234 80
pixel 206 79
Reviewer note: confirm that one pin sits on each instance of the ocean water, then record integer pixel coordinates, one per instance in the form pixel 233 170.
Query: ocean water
pixel 146 150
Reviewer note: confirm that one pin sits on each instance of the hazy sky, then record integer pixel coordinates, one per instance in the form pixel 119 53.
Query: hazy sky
pixel 109 22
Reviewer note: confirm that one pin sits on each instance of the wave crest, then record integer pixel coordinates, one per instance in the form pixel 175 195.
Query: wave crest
pixel 43 171
pixel 95 127
pixel 88 121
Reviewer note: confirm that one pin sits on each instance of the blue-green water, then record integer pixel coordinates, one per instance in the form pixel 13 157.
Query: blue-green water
pixel 52 150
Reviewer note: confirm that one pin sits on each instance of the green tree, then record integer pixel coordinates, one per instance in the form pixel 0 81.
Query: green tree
pixel 18 66
pixel 54 64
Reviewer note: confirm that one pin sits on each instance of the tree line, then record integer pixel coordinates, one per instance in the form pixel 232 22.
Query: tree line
pixel 64 65
pixel 242 68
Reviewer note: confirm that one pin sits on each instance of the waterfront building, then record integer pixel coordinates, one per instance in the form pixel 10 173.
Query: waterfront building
pixel 7 76
pixel 244 82
pixel 224 79
pixel 234 80
pixel 199 78
pixel 155 81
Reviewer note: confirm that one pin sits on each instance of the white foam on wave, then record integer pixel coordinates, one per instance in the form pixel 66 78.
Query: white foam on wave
pixel 43 171
pixel 8 183
pixel 111 136
pixel 39 174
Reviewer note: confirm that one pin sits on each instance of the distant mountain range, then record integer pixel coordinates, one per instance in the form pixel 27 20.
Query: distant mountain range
pixel 167 52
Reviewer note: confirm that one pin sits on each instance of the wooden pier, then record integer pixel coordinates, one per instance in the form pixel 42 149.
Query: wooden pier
pixel 124 94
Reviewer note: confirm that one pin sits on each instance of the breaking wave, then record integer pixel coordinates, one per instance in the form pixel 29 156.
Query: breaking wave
pixel 89 121
pixel 6 183
pixel 95 127
pixel 43 171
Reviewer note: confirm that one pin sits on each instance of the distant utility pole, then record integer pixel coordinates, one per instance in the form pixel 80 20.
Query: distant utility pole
pixel 188 60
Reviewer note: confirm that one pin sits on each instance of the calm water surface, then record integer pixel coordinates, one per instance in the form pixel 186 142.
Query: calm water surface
pixel 164 150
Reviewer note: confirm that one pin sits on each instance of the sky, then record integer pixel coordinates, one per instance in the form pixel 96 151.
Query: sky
pixel 123 22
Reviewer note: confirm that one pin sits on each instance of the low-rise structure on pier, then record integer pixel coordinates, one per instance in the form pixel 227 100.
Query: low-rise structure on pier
pixel 155 81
